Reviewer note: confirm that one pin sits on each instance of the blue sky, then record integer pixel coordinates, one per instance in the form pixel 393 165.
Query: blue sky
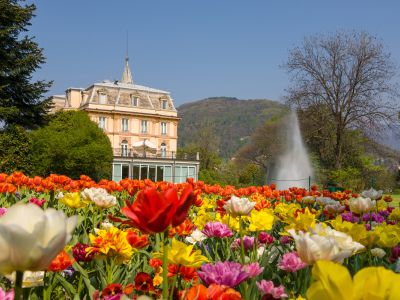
pixel 195 49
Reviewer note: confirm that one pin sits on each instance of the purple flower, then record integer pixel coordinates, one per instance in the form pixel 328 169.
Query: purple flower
pixel 68 272
pixel 386 212
pixel 349 217
pixel 227 273
pixel 373 217
pixel 395 254
pixel 217 229
pixel 248 243
pixel 253 269
pixel 291 262
pixel 267 288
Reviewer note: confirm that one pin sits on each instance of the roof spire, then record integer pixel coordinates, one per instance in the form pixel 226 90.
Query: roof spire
pixel 127 75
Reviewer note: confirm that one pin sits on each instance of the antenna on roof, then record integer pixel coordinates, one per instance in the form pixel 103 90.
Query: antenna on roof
pixel 127 45
pixel 127 75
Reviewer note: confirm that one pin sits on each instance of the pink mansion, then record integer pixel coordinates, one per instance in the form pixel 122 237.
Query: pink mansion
pixel 141 123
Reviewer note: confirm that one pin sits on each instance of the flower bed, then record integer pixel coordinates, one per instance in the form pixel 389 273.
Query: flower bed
pixel 77 239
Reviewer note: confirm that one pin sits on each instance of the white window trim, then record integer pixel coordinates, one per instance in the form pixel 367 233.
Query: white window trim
pixel 144 127
pixel 102 94
pixel 163 132
pixel 133 101
pixel 122 125
pixel 104 124
pixel 162 104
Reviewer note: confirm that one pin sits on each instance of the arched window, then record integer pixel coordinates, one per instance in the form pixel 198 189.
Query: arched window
pixel 124 148
pixel 163 150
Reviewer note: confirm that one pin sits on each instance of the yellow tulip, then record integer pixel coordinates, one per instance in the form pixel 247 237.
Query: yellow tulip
pixel 111 243
pixel 389 235
pixel 261 220
pixel 73 200
pixel 301 221
pixel 183 255
pixel 333 281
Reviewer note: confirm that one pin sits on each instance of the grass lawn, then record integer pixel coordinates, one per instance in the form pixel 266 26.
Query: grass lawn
pixel 396 198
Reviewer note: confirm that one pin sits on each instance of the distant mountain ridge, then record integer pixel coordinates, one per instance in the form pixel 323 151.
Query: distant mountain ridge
pixel 232 120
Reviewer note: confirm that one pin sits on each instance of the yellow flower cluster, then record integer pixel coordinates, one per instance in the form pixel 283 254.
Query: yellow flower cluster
pixel 383 235
pixel 111 243
pixel 395 214
pixel 358 232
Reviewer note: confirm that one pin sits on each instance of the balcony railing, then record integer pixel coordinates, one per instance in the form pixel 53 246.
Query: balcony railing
pixel 129 153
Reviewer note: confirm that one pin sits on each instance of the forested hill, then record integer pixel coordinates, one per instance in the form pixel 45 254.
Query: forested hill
pixel 231 120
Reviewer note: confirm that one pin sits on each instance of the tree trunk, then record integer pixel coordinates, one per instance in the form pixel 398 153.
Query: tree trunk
pixel 338 146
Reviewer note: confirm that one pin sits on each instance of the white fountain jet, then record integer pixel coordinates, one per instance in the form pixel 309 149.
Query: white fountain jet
pixel 293 168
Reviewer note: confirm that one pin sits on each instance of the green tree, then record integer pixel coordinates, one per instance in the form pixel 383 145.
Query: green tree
pixel 72 145
pixel 16 150
pixel 265 145
pixel 21 101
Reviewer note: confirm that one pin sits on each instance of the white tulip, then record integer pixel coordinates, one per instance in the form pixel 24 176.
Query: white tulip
pixel 31 238
pixel 239 206
pixel 361 205
pixel 99 197
pixel 372 194
pixel 196 237
pixel 324 244
pixel 378 252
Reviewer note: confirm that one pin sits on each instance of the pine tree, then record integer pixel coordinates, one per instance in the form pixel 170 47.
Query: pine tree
pixel 21 101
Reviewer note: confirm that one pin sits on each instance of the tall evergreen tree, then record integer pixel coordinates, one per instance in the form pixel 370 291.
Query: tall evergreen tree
pixel 21 101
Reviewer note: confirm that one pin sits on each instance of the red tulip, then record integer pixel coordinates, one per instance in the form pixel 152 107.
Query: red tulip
pixel 153 212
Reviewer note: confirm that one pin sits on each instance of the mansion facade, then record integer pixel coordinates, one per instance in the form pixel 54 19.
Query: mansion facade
pixel 142 125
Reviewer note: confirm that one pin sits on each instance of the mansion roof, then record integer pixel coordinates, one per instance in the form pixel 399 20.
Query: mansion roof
pixel 128 86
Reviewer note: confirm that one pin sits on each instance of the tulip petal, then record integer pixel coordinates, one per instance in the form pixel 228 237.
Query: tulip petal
pixel 331 278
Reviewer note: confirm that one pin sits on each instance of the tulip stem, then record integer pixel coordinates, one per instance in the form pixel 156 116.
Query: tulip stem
pixel 18 285
pixel 241 241
pixel 165 266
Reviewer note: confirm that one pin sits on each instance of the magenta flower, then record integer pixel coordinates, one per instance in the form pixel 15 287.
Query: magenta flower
pixel 285 239
pixel 6 295
pixel 265 238
pixel 80 254
pixel 217 229
pixel 3 211
pixel 227 273
pixel 253 269
pixel 267 288
pixel 291 262
pixel 248 243
pixel 37 201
